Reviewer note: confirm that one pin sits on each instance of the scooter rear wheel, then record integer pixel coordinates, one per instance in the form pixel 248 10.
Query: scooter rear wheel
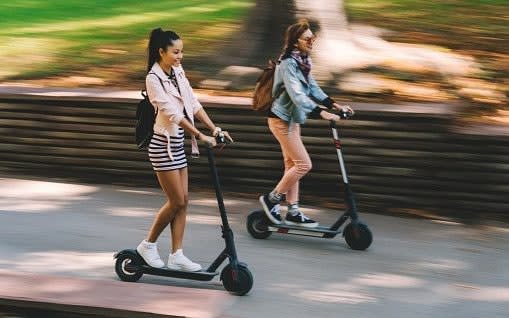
pixel 257 225
pixel 124 270
pixel 358 236
pixel 239 283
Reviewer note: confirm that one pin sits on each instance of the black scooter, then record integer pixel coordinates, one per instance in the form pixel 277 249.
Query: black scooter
pixel 235 276
pixel 356 233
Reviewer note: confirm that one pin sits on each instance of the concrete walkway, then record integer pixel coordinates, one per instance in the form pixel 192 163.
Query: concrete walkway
pixel 57 240
pixel 108 298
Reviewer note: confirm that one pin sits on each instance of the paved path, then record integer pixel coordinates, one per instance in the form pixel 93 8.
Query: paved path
pixel 415 267
pixel 108 298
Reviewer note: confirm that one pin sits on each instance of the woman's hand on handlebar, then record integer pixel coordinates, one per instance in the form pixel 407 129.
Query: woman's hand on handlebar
pixel 221 134
pixel 344 113
pixel 227 136
pixel 344 110
pixel 329 116
pixel 208 140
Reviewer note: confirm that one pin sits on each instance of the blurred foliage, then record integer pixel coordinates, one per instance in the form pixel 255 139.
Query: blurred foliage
pixel 477 27
pixel 104 42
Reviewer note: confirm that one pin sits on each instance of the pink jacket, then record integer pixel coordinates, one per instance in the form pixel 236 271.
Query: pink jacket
pixel 170 103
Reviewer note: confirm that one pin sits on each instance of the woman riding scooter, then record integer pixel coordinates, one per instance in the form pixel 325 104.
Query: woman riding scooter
pixel 289 110
pixel 170 92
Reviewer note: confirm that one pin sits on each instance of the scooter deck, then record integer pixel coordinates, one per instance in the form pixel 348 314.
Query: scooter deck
pixel 201 275
pixel 319 231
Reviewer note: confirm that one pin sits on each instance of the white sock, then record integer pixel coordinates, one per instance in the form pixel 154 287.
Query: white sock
pixel 275 197
pixel 293 208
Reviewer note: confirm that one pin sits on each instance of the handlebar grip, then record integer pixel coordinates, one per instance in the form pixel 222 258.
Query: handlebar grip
pixel 345 114
pixel 221 139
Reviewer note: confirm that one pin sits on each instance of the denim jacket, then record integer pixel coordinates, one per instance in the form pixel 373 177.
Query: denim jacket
pixel 299 97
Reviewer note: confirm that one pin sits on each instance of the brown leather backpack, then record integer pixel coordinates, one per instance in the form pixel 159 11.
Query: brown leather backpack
pixel 262 95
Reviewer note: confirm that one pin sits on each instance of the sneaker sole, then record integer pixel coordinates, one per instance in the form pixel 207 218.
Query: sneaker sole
pixel 267 211
pixel 179 268
pixel 307 225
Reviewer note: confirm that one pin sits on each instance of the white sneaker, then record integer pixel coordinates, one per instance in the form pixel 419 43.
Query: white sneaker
pixel 178 261
pixel 148 251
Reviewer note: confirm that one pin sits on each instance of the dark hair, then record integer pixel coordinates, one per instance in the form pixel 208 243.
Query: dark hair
pixel 293 33
pixel 159 39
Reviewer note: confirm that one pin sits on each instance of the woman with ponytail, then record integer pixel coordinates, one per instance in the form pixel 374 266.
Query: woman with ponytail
pixel 171 94
pixel 298 100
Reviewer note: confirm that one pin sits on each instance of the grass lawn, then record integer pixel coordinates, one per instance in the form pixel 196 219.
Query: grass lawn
pixel 105 38
pixel 104 42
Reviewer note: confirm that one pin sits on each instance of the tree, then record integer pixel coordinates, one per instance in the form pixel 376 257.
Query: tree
pixel 261 36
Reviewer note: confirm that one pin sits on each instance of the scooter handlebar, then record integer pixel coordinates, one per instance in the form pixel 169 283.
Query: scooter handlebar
pixel 222 140
pixel 343 114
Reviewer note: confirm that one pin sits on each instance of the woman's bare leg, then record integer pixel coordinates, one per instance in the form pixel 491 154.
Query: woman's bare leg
pixel 171 184
pixel 178 223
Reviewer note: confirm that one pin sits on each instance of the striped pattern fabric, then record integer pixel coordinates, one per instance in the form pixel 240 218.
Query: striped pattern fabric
pixel 158 152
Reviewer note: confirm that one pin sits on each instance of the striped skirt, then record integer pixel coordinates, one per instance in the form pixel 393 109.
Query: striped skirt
pixel 159 152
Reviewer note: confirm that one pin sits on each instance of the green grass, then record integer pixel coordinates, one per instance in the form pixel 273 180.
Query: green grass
pixel 107 39
pixel 50 37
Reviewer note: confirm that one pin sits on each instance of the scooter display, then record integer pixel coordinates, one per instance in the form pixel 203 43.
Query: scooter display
pixel 235 276
pixel 357 234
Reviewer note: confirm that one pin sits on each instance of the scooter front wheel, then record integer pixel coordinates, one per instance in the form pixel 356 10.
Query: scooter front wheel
pixel 239 282
pixel 126 265
pixel 257 225
pixel 358 236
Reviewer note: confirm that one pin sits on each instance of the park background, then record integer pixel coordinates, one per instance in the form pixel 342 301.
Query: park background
pixel 428 78
pixel 371 49
pixel 427 155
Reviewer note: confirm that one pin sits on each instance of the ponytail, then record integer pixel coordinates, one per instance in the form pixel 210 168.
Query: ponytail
pixel 159 39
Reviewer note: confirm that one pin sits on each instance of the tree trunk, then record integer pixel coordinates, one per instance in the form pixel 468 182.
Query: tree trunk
pixel 261 36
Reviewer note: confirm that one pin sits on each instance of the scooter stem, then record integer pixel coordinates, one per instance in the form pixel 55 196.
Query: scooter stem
pixel 349 196
pixel 229 250
pixel 337 144
pixel 217 188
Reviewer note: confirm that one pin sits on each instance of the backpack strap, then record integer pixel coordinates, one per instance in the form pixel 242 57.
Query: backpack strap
pixel 143 92
pixel 282 87
pixel 160 80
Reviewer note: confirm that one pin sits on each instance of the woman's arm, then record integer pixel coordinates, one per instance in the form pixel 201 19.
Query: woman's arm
pixel 326 101
pixel 202 116
pixel 189 128
pixel 316 91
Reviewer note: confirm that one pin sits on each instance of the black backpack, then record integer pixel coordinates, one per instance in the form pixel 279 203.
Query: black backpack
pixel 145 117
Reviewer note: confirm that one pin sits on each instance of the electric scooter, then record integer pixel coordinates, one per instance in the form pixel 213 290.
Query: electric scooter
pixel 235 276
pixel 357 234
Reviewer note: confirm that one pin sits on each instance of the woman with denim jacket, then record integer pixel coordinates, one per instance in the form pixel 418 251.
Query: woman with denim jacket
pixel 297 100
